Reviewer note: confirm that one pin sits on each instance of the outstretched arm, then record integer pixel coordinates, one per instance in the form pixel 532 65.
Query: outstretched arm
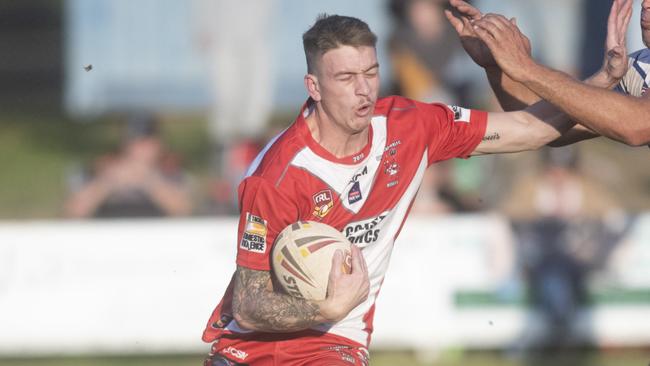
pixel 610 114
pixel 513 95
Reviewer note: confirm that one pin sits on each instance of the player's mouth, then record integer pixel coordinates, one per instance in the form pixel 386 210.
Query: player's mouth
pixel 364 109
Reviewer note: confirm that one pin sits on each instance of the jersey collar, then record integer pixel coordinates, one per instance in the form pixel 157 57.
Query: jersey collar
pixel 353 159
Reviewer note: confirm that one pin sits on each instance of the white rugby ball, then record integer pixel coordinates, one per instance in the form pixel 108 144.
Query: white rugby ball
pixel 302 258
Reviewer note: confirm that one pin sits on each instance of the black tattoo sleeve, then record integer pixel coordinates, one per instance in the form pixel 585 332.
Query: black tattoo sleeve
pixel 268 311
pixel 492 137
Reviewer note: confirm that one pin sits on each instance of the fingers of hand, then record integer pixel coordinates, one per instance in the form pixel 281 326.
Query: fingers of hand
pixel 487 26
pixel 471 11
pixel 484 35
pixel 357 259
pixel 626 19
pixel 337 262
pixel 497 20
pixel 503 22
pixel 455 22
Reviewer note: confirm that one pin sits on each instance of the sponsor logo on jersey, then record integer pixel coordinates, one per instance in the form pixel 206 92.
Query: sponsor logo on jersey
pixel 358 158
pixel 391 149
pixel 230 350
pixel 254 237
pixel 365 232
pixel 356 176
pixel 354 195
pixel 323 203
pixel 460 114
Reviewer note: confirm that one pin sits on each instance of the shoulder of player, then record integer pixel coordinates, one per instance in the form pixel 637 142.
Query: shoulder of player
pixel 272 163
pixel 400 109
pixel 641 55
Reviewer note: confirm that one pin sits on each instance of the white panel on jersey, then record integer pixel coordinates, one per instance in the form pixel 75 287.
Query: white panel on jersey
pixel 351 182
pixel 377 256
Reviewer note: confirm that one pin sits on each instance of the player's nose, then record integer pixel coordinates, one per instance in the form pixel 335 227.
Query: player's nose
pixel 361 85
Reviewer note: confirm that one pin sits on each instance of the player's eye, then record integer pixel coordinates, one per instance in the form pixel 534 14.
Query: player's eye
pixel 371 74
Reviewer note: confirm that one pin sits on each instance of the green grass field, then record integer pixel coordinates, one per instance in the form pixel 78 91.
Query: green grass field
pixel 378 358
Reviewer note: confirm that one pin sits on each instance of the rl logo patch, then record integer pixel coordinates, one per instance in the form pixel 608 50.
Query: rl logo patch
pixel 323 202
pixel 254 237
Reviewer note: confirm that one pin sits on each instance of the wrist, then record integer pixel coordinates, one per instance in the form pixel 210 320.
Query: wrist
pixel 602 79
pixel 329 312
pixel 529 72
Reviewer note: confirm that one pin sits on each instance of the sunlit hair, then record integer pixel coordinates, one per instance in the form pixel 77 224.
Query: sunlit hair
pixel 333 31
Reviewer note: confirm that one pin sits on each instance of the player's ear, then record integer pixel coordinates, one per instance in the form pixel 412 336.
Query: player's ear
pixel 313 88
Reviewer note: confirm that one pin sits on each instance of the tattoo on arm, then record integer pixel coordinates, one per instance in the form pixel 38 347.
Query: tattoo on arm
pixel 492 137
pixel 270 311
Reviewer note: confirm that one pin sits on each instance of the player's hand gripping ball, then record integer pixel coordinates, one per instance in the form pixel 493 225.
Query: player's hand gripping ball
pixel 302 258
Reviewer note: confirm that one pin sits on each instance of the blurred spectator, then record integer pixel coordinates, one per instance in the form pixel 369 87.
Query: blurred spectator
pixel 439 194
pixel 223 189
pixel 421 47
pixel 141 180
pixel 236 35
pixel 559 217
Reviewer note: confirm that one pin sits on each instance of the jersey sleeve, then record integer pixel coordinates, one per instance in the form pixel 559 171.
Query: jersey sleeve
pixel 264 213
pixel 451 131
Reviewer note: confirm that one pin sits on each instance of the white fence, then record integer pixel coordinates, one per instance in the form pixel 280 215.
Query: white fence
pixel 150 285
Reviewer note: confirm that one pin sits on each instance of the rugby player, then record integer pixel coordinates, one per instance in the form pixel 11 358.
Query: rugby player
pixel 362 157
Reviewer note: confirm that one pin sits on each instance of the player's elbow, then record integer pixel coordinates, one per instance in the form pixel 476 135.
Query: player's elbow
pixel 244 321
pixel 543 136
pixel 537 134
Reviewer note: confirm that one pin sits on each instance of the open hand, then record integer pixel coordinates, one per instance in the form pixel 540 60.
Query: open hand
pixel 346 291
pixel 473 45
pixel 615 59
pixel 509 47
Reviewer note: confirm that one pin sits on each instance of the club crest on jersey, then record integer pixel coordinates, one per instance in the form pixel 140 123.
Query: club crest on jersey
pixel 390 149
pixel 254 237
pixel 460 114
pixel 391 167
pixel 323 203
pixel 354 195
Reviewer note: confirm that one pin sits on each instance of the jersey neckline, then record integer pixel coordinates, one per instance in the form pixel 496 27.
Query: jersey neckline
pixel 313 145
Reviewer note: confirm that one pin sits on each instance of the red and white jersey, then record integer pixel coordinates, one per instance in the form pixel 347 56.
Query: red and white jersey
pixel 366 196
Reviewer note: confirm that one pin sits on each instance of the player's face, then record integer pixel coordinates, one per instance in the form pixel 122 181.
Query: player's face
pixel 645 22
pixel 348 85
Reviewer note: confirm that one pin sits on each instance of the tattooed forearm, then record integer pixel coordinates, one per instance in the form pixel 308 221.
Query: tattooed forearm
pixel 262 309
pixel 492 137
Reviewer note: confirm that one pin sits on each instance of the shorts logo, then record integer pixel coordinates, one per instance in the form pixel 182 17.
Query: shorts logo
pixel 323 201
pixel 254 237
pixel 355 193
pixel 235 352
